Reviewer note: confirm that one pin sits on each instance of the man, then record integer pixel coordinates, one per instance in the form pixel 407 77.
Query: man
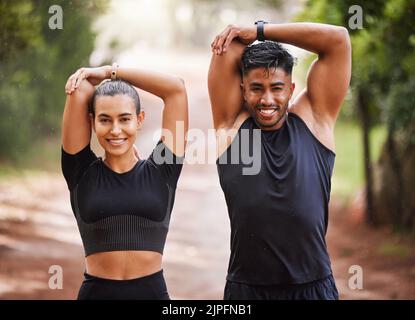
pixel 278 216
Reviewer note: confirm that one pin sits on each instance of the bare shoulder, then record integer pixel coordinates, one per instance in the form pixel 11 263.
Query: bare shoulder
pixel 322 130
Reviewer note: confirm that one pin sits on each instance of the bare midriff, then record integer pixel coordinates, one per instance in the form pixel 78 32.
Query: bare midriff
pixel 123 265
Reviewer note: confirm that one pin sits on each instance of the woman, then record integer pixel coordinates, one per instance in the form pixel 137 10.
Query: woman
pixel 122 204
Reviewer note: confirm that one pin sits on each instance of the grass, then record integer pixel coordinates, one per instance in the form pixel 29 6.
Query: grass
pixel 43 155
pixel 394 249
pixel 348 175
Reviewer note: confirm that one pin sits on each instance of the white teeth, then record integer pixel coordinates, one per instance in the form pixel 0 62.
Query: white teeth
pixel 267 111
pixel 116 141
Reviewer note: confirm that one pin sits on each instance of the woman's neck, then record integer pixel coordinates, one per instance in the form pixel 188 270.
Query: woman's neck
pixel 122 163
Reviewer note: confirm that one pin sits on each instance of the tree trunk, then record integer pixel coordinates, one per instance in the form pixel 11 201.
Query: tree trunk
pixel 394 180
pixel 366 126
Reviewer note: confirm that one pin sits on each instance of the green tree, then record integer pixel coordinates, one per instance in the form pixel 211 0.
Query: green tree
pixel 35 62
pixel 383 89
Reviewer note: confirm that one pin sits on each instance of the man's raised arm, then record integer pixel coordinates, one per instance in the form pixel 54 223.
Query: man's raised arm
pixel 224 84
pixel 329 75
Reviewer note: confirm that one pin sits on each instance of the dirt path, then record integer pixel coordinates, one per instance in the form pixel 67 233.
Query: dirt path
pixel 38 230
pixel 387 260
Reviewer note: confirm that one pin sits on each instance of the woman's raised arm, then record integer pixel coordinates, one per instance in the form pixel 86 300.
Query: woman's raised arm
pixel 172 91
pixel 169 88
pixel 76 124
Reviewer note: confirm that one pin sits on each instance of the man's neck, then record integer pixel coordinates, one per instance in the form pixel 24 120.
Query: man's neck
pixel 276 126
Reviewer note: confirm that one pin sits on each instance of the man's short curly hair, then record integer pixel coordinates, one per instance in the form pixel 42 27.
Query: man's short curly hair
pixel 268 55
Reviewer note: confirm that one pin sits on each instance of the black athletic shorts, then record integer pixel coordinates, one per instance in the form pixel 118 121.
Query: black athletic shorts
pixel 151 287
pixel 324 289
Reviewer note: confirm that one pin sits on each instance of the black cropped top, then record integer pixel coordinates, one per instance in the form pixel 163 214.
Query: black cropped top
pixel 122 211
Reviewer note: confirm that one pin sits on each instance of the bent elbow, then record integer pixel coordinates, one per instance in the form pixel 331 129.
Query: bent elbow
pixel 342 37
pixel 182 84
pixel 178 86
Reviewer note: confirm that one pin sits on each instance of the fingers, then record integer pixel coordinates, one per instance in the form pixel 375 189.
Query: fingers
pixel 219 39
pixel 67 85
pixel 232 35
pixel 74 80
pixel 214 43
pixel 77 79
pixel 70 83
pixel 221 42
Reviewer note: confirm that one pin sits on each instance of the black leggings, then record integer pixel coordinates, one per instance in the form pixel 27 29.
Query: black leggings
pixel 151 287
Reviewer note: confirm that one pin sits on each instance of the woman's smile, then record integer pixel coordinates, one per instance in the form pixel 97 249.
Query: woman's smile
pixel 117 141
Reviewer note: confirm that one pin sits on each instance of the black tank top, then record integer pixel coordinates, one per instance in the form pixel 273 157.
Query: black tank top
pixel 278 216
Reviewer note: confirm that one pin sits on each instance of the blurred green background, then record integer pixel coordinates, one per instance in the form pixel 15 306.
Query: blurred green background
pixel 372 208
pixel 375 132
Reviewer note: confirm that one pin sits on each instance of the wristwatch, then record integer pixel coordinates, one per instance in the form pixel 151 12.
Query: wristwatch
pixel 260 29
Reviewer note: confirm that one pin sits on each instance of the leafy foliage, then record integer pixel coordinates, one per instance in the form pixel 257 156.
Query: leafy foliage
pixel 35 62
pixel 384 74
